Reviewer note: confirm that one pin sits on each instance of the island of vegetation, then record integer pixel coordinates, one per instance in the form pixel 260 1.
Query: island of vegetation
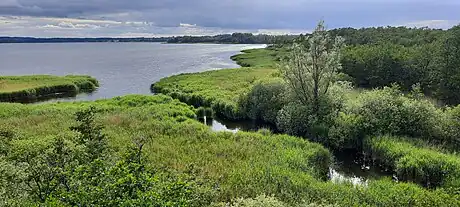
pixel 38 87
pixel 152 151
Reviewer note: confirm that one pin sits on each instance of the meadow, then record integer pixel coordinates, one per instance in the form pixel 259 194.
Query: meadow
pixel 190 165
pixel 36 87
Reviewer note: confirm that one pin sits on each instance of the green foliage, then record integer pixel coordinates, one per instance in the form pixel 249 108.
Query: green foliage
pixel 32 88
pixel 311 66
pixel 422 165
pixel 383 64
pixel 235 38
pixel 261 200
pixel 264 101
pixel 263 58
pixel 213 89
pixel 448 74
pixel 225 165
pixel 90 134
pixel 388 111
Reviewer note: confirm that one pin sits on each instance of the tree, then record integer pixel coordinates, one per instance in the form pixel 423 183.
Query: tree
pixel 311 65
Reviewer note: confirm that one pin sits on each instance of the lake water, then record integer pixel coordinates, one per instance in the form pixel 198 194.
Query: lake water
pixel 121 68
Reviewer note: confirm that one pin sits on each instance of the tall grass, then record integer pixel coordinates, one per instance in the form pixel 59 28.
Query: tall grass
pixel 418 164
pixel 31 88
pixel 238 165
pixel 219 89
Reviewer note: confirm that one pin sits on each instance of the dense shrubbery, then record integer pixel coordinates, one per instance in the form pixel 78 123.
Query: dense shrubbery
pixel 32 88
pixel 264 100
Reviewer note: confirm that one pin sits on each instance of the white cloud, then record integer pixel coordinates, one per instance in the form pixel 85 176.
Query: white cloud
pixel 440 24
pixel 187 25
pixel 74 27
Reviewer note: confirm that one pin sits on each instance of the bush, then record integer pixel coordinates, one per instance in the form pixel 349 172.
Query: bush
pixel 260 201
pixel 388 111
pixel 451 128
pixel 264 101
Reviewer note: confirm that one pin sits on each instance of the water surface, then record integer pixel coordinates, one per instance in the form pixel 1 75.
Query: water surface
pixel 121 68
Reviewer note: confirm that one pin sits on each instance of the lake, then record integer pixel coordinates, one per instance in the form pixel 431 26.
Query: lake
pixel 121 68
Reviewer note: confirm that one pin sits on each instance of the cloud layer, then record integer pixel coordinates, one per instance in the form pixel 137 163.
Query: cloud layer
pixel 178 17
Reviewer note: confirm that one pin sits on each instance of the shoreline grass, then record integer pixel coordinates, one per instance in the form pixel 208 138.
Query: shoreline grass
pixel 415 163
pixel 35 87
pixel 221 89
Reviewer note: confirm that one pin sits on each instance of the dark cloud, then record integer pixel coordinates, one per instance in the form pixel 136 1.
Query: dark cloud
pixel 139 17
pixel 242 14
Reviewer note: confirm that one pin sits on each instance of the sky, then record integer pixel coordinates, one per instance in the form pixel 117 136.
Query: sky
pixel 154 18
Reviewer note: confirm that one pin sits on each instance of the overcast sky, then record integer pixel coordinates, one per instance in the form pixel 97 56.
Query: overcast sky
pixel 123 18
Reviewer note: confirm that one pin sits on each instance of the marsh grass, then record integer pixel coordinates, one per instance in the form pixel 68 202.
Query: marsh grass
pixel 219 89
pixel 237 165
pixel 416 162
pixel 30 88
pixel 266 57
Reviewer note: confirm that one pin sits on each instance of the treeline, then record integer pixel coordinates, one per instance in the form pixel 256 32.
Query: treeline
pixel 382 56
pixel 235 38
pixel 63 40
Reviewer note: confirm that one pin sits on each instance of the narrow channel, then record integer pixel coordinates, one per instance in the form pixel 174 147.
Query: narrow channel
pixel 348 166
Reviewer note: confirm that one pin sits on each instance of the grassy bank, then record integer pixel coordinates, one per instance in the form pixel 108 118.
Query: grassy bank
pixel 266 58
pixel 36 87
pixel 219 166
pixel 420 164
pixel 221 89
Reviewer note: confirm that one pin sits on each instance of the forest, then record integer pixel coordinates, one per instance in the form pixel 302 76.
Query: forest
pixel 390 94
pixel 235 38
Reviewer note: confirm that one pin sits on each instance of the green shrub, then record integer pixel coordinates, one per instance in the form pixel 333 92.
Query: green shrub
pixel 262 201
pixel 387 111
pixel 264 101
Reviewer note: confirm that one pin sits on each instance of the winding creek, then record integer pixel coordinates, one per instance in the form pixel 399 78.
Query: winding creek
pixel 348 166
pixel 130 68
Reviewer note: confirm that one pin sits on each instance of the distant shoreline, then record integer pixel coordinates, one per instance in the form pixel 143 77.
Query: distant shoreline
pixel 79 40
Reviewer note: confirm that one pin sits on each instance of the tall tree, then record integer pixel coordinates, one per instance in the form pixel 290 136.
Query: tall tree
pixel 312 64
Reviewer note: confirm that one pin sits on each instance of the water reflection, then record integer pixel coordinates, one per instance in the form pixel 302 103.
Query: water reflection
pixel 235 126
pixel 350 166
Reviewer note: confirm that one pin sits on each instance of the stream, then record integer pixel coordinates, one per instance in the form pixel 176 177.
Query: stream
pixel 348 166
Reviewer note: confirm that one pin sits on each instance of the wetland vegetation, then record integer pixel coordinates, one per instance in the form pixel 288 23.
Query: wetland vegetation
pixel 38 87
pixel 152 151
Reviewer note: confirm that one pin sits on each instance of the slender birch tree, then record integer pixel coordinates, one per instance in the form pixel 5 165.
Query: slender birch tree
pixel 311 65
